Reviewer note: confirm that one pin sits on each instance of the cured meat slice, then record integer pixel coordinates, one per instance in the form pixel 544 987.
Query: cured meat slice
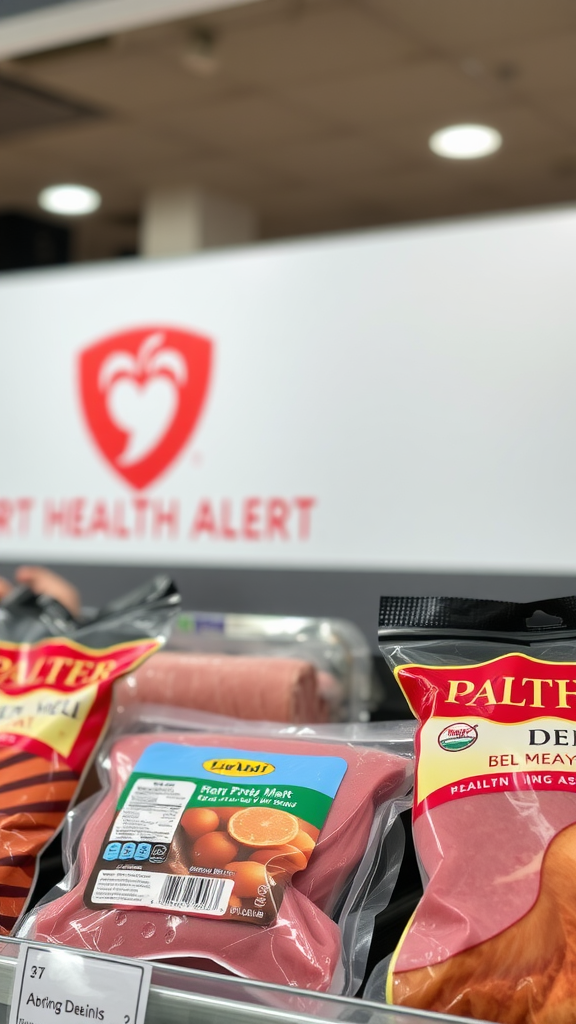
pixel 269 689
pixel 302 946
pixel 495 910
pixel 524 972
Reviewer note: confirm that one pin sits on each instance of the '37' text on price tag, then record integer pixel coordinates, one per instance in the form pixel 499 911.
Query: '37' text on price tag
pixel 58 985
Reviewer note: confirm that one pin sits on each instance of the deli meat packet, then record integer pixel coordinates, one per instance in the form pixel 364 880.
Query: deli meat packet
pixel 56 677
pixel 225 852
pixel 493 685
pixel 269 689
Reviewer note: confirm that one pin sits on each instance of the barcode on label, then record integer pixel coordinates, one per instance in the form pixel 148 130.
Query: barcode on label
pixel 200 894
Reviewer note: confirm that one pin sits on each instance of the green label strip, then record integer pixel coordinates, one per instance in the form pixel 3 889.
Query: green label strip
pixel 308 804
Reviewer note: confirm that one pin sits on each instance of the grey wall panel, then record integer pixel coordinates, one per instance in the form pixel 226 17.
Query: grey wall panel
pixel 341 594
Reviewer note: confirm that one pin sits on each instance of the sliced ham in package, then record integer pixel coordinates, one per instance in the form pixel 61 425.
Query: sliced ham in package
pixel 56 677
pixel 232 850
pixel 493 686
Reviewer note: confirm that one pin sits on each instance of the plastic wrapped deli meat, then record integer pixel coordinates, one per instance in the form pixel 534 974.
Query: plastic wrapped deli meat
pixel 226 851
pixel 270 689
pixel 56 680
pixel 493 686
pixel 336 649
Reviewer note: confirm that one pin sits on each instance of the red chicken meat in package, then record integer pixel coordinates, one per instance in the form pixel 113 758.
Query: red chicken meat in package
pixel 493 685
pixel 225 851
pixel 56 677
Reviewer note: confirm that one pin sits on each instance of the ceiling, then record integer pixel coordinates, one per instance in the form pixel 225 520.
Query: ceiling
pixel 316 113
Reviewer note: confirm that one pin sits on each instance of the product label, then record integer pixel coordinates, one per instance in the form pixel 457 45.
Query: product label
pixel 193 893
pixel 55 695
pixel 508 724
pixel 152 810
pixel 54 704
pixel 58 984
pixel 214 832
pixel 53 720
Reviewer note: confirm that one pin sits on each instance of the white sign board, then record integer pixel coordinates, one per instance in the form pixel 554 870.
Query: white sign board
pixel 398 399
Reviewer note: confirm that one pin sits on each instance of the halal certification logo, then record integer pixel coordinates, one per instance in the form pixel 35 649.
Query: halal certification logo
pixel 458 736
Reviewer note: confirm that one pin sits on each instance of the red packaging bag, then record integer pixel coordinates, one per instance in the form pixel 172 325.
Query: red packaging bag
pixel 493 686
pixel 274 929
pixel 56 677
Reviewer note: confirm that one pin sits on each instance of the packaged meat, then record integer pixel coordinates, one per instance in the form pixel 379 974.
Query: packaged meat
pixel 228 851
pixel 56 680
pixel 336 648
pixel 271 689
pixel 493 685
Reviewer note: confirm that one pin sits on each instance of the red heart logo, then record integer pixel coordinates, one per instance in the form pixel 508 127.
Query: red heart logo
pixel 142 392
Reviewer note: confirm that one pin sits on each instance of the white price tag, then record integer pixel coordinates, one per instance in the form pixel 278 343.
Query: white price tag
pixel 56 985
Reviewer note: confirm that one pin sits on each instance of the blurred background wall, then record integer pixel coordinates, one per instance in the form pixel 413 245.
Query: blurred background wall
pixel 209 125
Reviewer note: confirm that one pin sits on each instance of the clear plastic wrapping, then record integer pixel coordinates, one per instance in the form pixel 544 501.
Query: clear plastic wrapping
pixel 318 933
pixel 56 677
pixel 493 685
pixel 336 648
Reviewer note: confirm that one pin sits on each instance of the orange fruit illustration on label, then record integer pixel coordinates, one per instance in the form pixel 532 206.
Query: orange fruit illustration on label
pixel 250 878
pixel 304 842
pixel 213 850
pixel 225 813
pixel 263 826
pixel 309 829
pixel 196 821
pixel 281 858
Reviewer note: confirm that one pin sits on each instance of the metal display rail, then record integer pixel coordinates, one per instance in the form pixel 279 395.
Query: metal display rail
pixel 186 996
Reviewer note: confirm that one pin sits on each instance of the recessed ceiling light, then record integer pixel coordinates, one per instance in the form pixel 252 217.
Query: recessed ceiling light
pixel 69 200
pixel 465 141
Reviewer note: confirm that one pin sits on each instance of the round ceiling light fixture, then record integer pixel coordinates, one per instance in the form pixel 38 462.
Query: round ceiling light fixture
pixel 69 200
pixel 465 141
